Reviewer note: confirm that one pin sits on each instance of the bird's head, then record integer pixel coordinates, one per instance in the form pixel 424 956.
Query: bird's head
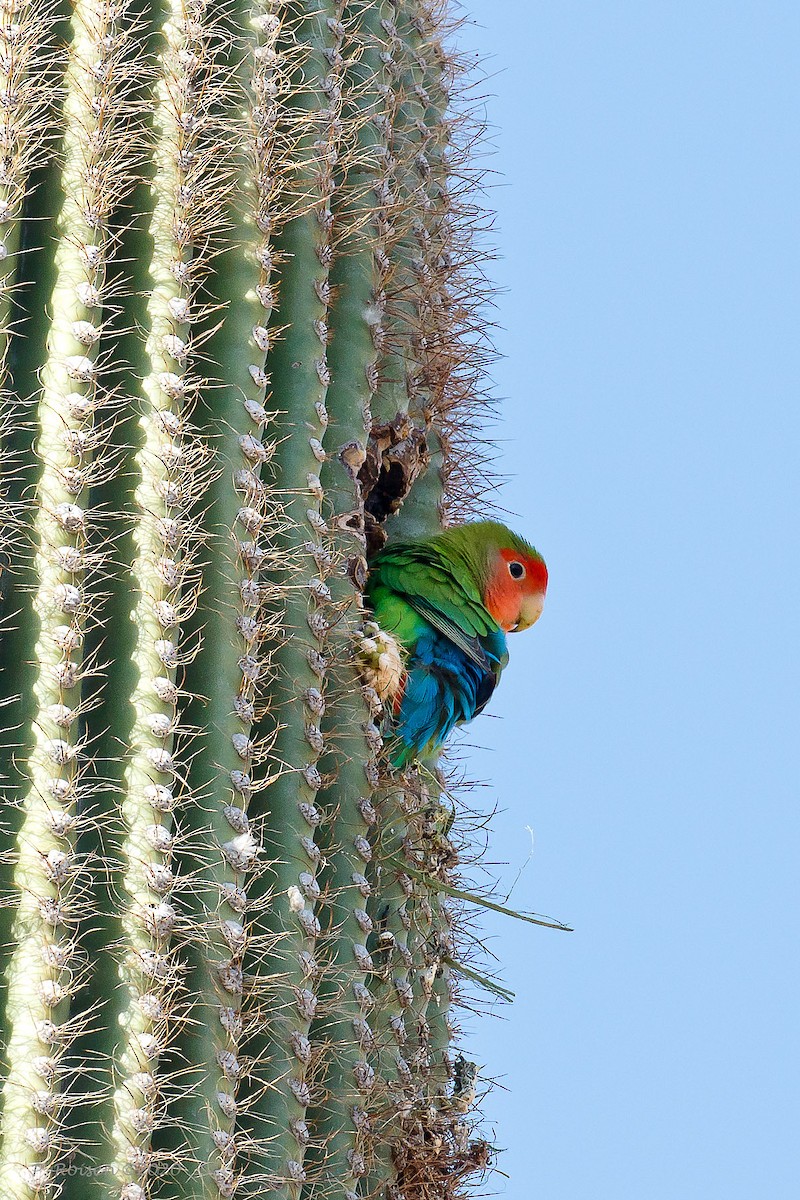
pixel 511 574
pixel 516 585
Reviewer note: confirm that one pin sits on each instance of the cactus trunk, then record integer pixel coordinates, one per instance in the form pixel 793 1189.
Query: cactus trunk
pixel 239 349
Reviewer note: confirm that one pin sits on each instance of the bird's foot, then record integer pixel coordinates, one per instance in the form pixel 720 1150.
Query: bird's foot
pixel 380 661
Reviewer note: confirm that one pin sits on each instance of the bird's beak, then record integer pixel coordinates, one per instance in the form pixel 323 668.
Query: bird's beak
pixel 530 611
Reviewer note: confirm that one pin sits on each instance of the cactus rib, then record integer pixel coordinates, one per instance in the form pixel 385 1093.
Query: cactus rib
pixel 286 927
pixel 169 470
pixel 339 1123
pixel 237 513
pixel 28 80
pixel 46 966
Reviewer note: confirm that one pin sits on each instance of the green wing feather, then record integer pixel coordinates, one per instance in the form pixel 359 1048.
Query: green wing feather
pixel 439 587
pixel 470 645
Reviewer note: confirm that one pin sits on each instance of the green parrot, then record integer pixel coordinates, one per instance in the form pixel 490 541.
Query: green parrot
pixel 443 606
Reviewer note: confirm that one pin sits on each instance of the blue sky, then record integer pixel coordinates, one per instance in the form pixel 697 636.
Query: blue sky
pixel 647 728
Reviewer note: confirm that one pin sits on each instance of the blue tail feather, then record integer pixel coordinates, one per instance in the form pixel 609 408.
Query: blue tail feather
pixel 444 688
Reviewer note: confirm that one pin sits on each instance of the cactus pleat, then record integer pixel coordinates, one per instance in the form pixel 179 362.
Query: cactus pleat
pixel 225 672
pixel 28 78
pixel 46 965
pixel 416 235
pixel 170 471
pixel 340 1118
pixel 250 341
pixel 299 599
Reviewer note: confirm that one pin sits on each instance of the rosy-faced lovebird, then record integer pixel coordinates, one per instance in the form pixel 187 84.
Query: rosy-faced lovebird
pixel 448 601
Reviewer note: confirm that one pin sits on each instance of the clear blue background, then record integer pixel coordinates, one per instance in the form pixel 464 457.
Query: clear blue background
pixel 649 226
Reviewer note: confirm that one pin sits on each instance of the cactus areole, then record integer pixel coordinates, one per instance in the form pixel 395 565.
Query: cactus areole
pixel 241 351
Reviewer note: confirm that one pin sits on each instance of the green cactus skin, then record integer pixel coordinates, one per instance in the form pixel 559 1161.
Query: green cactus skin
pixel 412 215
pixel 226 959
pixel 343 998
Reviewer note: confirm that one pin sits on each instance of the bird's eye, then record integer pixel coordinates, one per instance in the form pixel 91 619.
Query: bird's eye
pixel 516 570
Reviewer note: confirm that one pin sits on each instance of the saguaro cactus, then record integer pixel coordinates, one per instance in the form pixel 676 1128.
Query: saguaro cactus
pixel 239 347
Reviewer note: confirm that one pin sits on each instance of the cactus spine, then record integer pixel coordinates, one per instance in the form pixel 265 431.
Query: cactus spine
pixel 250 354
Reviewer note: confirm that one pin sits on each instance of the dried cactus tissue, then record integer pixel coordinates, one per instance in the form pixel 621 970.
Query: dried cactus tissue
pixel 243 352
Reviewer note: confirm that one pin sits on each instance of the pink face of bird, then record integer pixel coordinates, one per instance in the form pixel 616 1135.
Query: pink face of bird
pixel 516 590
